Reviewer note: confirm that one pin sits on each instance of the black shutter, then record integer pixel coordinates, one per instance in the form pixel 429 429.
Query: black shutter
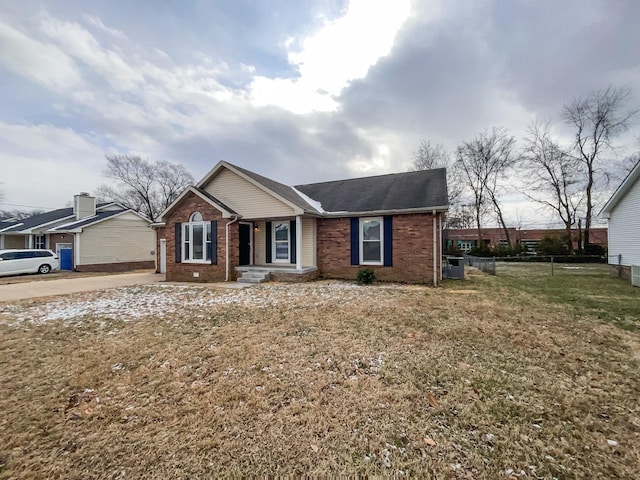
pixel 178 244
pixel 214 242
pixel 292 237
pixel 267 232
pixel 355 241
pixel 388 241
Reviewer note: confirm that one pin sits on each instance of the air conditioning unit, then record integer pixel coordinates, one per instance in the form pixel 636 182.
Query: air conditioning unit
pixel 635 275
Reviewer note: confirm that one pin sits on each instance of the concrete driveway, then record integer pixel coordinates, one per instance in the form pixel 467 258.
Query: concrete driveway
pixel 46 288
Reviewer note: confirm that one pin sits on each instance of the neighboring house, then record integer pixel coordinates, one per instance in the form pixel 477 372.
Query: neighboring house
pixel 86 237
pixel 235 222
pixel 622 211
pixel 464 239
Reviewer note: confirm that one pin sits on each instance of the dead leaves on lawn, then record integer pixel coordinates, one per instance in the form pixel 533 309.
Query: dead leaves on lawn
pixel 82 404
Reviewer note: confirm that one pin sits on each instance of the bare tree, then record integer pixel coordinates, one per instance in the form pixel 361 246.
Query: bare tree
pixel 20 214
pixel 555 179
pixel 430 156
pixel 627 164
pixel 597 118
pixel 484 161
pixel 148 188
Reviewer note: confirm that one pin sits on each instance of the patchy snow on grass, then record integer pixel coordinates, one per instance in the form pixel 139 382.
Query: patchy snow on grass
pixel 131 303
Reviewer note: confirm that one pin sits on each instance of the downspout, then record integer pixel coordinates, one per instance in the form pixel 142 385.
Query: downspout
pixel 226 248
pixel 440 245
pixel 435 244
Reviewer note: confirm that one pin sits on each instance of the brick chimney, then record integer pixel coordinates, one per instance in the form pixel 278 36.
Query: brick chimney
pixel 84 205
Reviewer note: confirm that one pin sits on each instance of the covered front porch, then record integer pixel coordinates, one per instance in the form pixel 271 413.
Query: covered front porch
pixel 279 245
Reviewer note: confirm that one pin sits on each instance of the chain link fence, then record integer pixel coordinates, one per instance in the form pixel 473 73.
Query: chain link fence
pixel 540 265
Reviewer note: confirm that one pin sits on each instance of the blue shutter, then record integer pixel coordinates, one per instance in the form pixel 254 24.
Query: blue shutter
pixel 355 241
pixel 267 232
pixel 178 244
pixel 388 241
pixel 214 242
pixel 292 240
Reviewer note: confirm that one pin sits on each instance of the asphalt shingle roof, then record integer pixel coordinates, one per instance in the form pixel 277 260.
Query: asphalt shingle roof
pixel 398 191
pixel 41 219
pixel 35 221
pixel 87 220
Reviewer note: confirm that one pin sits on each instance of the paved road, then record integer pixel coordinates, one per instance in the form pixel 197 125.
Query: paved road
pixel 46 288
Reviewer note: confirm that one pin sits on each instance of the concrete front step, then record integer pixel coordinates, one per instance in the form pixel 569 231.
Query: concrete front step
pixel 254 277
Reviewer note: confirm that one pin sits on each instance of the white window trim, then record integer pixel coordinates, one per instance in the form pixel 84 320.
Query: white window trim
pixel 361 240
pixel 189 225
pixel 273 243
pixel 44 242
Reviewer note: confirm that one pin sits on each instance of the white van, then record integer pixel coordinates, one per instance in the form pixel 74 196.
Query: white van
pixel 14 262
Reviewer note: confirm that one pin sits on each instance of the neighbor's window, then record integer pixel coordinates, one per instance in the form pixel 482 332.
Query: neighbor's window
pixel 196 239
pixel 466 246
pixel 40 242
pixel 371 241
pixel 281 242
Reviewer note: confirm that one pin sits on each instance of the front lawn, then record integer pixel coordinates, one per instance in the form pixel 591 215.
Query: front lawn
pixel 491 377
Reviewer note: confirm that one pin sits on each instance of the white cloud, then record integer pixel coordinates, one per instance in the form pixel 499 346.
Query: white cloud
pixel 97 23
pixel 48 164
pixel 81 45
pixel 37 61
pixel 342 51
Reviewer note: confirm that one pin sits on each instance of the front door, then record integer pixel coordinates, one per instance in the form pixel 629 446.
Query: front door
pixel 65 256
pixel 245 244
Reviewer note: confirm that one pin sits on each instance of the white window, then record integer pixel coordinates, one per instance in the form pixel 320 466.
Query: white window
pixel 40 242
pixel 371 241
pixel 466 246
pixel 196 240
pixel 281 237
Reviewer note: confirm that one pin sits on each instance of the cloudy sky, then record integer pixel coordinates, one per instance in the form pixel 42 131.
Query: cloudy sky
pixel 299 91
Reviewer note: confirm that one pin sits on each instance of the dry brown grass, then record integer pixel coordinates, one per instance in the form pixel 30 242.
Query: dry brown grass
pixel 380 380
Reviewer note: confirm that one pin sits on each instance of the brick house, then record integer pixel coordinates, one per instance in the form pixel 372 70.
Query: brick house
pixel 236 224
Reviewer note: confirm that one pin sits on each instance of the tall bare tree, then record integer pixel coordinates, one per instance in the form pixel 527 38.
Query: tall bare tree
pixel 484 161
pixel 148 188
pixel 598 119
pixel 554 175
pixel 430 156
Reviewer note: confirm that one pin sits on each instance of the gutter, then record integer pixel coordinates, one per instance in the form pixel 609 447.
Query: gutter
pixel 435 245
pixel 226 249
pixel 402 211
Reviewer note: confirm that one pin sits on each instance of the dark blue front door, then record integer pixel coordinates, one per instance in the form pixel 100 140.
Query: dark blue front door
pixel 66 259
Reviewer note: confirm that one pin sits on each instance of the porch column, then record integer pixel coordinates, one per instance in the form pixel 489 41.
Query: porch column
pixel 30 245
pixel 298 242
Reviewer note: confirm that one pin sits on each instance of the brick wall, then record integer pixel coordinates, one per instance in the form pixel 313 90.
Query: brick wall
pixel 279 276
pixel 413 254
pixel 182 272
pixel 114 267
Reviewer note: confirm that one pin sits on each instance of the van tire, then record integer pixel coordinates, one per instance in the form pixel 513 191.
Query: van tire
pixel 44 268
